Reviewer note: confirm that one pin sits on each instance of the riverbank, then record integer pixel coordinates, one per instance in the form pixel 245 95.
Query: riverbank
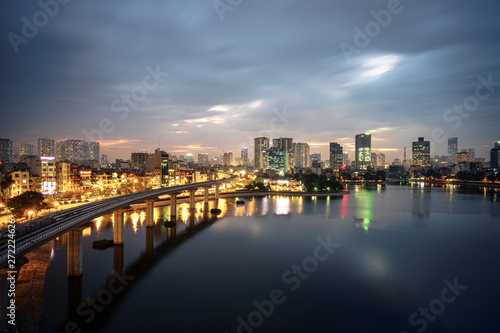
pixel 444 182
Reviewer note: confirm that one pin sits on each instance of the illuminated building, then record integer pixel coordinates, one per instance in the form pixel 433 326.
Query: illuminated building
pixel 302 156
pixel 495 156
pixel 203 159
pixel 380 160
pixel 93 151
pixel 46 147
pixel 75 151
pixel 278 159
pixel 64 176
pixel 452 148
pixel 336 155
pixel 228 158
pixel 48 175
pixel 363 150
pixel 261 147
pixel 26 149
pixel 244 156
pixel 5 150
pixel 421 153
pixel 22 183
pixel 462 157
pixel 286 144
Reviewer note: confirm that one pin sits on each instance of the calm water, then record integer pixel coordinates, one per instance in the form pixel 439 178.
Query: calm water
pixel 393 248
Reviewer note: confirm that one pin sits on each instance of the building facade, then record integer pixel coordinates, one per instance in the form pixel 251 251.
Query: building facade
pixel 495 156
pixel 302 156
pixel 336 155
pixel 26 149
pixel 46 147
pixel 452 149
pixel 5 150
pixel 363 150
pixel 261 147
pixel 421 153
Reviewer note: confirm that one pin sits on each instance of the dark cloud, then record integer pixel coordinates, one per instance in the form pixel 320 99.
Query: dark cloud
pixel 263 56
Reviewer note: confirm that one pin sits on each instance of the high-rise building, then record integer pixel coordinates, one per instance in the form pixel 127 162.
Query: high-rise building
pixel 316 158
pixel 203 159
pixel 261 147
pixel 302 155
pixel 336 155
pixel 26 149
pixel 345 159
pixel 48 175
pixel 287 145
pixel 452 149
pixel 363 150
pixel 421 153
pixel 472 152
pixel 278 159
pixel 462 156
pixel 495 156
pixel 5 150
pixel 380 160
pixel 244 156
pixel 46 147
pixel 189 158
pixel 74 151
pixel 228 158
pixel 93 151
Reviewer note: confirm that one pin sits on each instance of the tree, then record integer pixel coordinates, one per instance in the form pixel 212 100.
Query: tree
pixel 28 201
pixel 5 184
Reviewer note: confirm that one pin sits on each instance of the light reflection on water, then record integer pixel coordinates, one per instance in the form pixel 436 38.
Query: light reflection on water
pixel 395 241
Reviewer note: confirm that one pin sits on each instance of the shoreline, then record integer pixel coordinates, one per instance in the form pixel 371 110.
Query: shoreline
pixel 443 182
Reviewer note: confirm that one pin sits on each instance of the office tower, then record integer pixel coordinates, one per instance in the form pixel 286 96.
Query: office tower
pixel 26 149
pixel 46 147
pixel 462 156
pixel 278 159
pixel 346 160
pixel 421 153
pixel 104 158
pixel 495 156
pixel 5 150
pixel 74 151
pixel 363 150
pixel 93 151
pixel 380 160
pixel 244 156
pixel 302 156
pixel 316 158
pixel 261 146
pixel 189 158
pixel 452 149
pixel 228 158
pixel 203 159
pixel 287 145
pixel 472 152
pixel 336 155
pixel 139 158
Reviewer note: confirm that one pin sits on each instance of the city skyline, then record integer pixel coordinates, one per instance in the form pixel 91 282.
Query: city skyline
pixel 201 77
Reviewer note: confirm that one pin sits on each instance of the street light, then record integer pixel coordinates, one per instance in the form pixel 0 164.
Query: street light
pixel 30 213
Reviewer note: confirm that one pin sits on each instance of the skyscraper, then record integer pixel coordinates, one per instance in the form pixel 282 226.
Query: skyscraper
pixel 472 152
pixel 363 150
pixel 244 155
pixel 421 153
pixel 261 146
pixel 278 159
pixel 336 155
pixel 380 160
pixel 26 149
pixel 495 156
pixel 287 145
pixel 75 151
pixel 228 158
pixel 203 159
pixel 46 147
pixel 93 151
pixel 452 149
pixel 302 156
pixel 5 150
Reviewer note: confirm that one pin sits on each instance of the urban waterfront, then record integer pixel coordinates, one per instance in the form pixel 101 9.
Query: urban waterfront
pixel 364 262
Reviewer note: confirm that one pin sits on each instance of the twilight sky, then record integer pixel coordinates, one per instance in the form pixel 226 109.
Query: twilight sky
pixel 289 68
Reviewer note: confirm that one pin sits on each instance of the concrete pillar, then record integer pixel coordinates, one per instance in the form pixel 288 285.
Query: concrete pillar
pixel 173 207
pixel 150 241
pixel 217 192
pixel 192 200
pixel 150 212
pixel 74 253
pixel 118 226
pixel 118 259
pixel 206 199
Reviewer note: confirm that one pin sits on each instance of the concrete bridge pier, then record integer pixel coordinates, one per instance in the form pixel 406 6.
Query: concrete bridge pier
pixel 217 192
pixel 192 200
pixel 150 212
pixel 118 226
pixel 173 207
pixel 206 199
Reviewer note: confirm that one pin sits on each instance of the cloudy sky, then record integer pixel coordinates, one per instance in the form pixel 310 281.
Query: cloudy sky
pixel 203 76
